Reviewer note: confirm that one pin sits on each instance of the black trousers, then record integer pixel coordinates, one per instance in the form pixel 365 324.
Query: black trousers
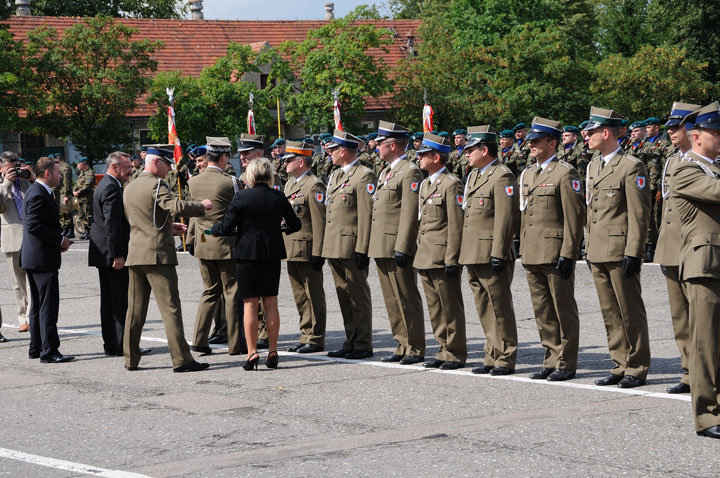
pixel 44 307
pixel 113 307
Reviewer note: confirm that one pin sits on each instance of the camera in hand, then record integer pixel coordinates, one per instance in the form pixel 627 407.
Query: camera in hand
pixel 22 173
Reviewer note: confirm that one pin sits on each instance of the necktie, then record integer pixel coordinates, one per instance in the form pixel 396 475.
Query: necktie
pixel 17 197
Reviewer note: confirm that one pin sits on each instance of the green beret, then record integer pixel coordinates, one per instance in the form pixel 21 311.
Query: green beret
pixel 519 126
pixel 571 129
pixel 143 148
pixel 623 122
pixel 444 134
pixel 459 131
pixel 372 135
pixel 416 136
pixel 83 159
pixel 636 124
pixel 652 120
pixel 326 139
pixel 277 142
pixel 507 133
pixel 583 124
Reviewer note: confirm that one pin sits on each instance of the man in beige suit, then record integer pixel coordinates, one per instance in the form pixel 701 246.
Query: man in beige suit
pixel 306 194
pixel 217 268
pixel 393 242
pixel 439 236
pixel 150 207
pixel 696 195
pixel 347 237
pixel 12 194
pixel 553 214
pixel 618 211
pixel 667 252
pixel 491 210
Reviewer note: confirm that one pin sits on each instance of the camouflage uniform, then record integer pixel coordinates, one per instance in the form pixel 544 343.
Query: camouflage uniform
pixel 136 173
pixel 322 166
pixel 652 156
pixel 520 156
pixel 85 186
pixel 64 190
pixel 281 170
pixel 574 155
pixel 366 160
pixel 458 164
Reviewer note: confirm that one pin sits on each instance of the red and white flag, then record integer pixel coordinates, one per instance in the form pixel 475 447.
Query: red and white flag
pixel 251 122
pixel 427 114
pixel 336 115
pixel 173 136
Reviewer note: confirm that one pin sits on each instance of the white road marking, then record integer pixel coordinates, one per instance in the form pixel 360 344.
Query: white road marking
pixel 66 465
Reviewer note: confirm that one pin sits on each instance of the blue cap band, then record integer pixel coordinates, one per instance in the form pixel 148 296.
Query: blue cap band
pixel 443 148
pixel 345 143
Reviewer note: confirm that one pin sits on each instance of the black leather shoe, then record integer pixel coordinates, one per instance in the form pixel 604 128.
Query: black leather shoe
pixel 310 349
pixel 542 374
pixel 202 350
pixel 392 358
pixel 70 234
pixel 434 363
pixel 33 355
pixel 448 365
pixel 712 432
pixel 191 367
pixel 411 359
pixel 629 381
pixel 679 388
pixel 358 354
pixel 144 351
pixel 338 353
pixel 218 339
pixel 560 375
pixel 611 379
pixel 57 358
pixel 484 370
pixel 501 371
pixel 295 348
pixel 2 339
pixel 131 369
pixel 263 343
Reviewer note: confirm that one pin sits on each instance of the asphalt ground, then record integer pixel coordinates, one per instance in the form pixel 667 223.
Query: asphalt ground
pixel 329 417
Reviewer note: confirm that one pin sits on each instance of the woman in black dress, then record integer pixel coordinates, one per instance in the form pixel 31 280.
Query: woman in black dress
pixel 258 215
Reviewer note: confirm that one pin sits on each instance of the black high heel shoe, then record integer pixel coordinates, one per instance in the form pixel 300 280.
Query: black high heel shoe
pixel 272 359
pixel 250 364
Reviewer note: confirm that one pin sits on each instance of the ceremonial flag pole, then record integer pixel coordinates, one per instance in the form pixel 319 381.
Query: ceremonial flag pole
pixel 336 110
pixel 427 114
pixel 278 117
pixel 177 152
pixel 251 116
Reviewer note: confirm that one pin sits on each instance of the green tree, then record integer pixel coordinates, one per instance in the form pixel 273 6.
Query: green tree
pixel 14 80
pixel 111 8
pixel 7 8
pixel 87 80
pixel 405 9
pixel 624 26
pixel 647 83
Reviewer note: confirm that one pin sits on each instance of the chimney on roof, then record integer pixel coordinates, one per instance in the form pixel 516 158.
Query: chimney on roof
pixel 22 8
pixel 329 11
pixel 196 10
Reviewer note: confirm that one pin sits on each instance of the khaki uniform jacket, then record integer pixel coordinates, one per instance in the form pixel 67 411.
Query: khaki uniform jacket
pixel 553 213
pixel 219 188
pixel 150 208
pixel 395 211
pixel 441 222
pixel 667 251
pixel 349 212
pixel 491 207
pixel 307 197
pixel 618 212
pixel 11 226
pixel 696 195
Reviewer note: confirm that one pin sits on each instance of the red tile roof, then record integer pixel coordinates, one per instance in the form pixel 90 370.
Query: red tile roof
pixel 191 45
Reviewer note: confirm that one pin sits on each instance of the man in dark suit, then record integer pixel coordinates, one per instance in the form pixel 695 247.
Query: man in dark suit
pixel 42 244
pixel 109 237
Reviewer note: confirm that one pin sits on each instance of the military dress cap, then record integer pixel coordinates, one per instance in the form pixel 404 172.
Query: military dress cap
pixel 679 111
pixel 507 133
pixel 480 134
pixel 277 142
pixel 219 145
pixel 543 127
pixel 707 117
pixel 390 130
pixel 603 117
pixel 571 129
pixel 652 120
pixel 346 140
pixel 198 151
pixel 519 126
pixel 250 141
pixel 417 136
pixel 297 148
pixel 434 142
pixel 636 125
pixel 164 151
pixel 459 131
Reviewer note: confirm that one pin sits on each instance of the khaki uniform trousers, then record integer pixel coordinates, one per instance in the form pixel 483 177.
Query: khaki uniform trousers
pixel 353 293
pixel 220 282
pixel 447 313
pixel 404 306
pixel 493 301
pixel 163 282
pixel 20 286
pixel 625 319
pixel 704 298
pixel 307 287
pixel 556 315
pixel 679 307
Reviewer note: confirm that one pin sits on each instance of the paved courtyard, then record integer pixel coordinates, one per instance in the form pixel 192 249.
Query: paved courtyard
pixel 329 417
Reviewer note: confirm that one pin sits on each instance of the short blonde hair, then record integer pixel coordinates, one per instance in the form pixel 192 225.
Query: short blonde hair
pixel 259 170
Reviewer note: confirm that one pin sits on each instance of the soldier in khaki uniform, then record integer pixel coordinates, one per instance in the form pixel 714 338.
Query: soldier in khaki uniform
pixel 306 194
pixel 553 215
pixel 491 210
pixel 618 211
pixel 696 195
pixel 439 238
pixel 83 191
pixel 393 243
pixel 571 149
pixel 347 238
pixel 667 253
pixel 217 268
pixel 150 208
pixel 458 160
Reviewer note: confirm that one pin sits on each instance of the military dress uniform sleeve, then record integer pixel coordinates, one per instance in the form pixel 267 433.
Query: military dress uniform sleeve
pixel 364 210
pixel 691 182
pixel 638 208
pixel 316 205
pixel 507 207
pixel 406 239
pixel 572 199
pixel 191 237
pixel 455 217
pixel 170 203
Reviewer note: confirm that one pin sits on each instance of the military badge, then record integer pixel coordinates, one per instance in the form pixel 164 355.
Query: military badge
pixel 459 199
pixel 319 197
pixel 371 188
pixel 509 190
pixel 641 182
pixel 276 187
pixel 414 186
pixel 576 185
